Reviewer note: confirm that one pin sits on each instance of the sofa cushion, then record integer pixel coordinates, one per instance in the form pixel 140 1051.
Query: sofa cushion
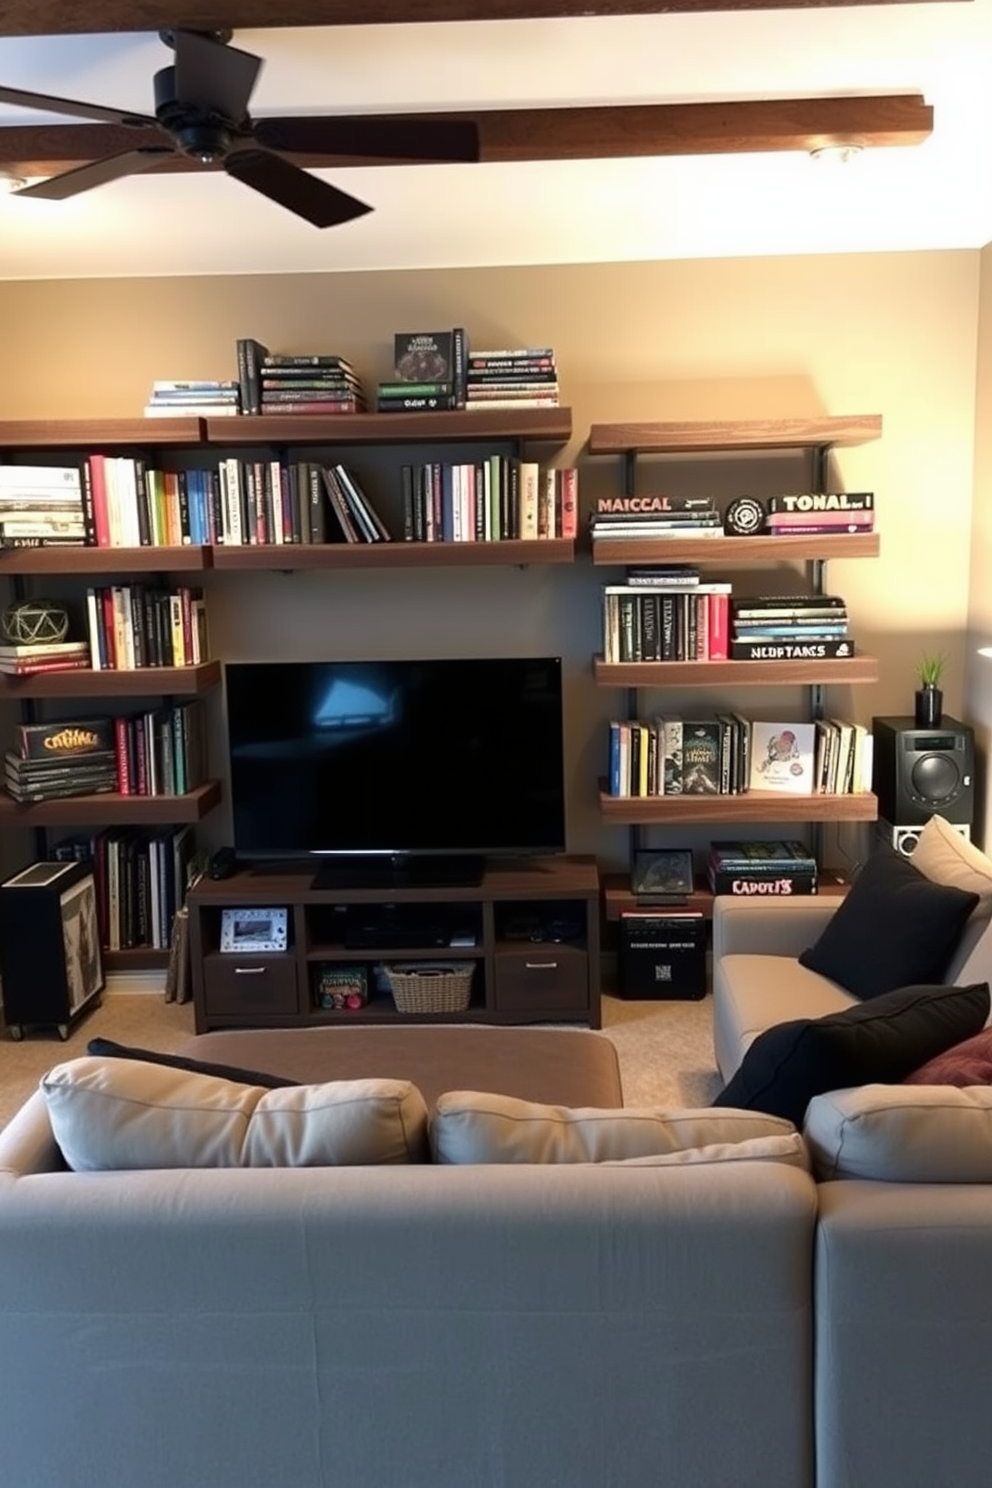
pixel 893 928
pixel 469 1126
pixel 108 1049
pixel 945 857
pixel 882 1039
pixel 894 1134
pixel 122 1113
pixel 967 1063
pixel 790 1150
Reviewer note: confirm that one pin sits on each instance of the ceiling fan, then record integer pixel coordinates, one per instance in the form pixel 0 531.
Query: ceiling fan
pixel 201 113
pixel 201 121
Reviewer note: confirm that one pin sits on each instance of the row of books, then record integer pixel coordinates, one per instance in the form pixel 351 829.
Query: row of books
pixel 660 624
pixel 141 877
pixel 488 501
pixel 728 754
pixel 750 869
pixel 140 625
pixel 162 751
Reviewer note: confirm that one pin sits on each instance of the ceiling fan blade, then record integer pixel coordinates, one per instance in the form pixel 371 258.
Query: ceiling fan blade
pixel 97 173
pixel 71 107
pixel 293 188
pixel 393 137
pixel 214 77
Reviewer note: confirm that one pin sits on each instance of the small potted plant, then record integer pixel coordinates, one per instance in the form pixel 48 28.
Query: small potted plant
pixel 929 697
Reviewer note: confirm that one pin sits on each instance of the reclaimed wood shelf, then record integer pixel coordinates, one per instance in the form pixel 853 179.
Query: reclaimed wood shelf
pixel 749 806
pixel 615 552
pixel 838 669
pixel 719 436
pixel 111 810
pixel 110 683
pixel 290 556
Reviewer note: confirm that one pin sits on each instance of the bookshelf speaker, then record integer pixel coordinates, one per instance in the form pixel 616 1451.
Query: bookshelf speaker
pixel 922 772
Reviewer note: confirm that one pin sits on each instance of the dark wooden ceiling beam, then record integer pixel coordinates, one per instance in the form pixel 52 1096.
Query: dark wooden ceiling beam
pixel 557 134
pixel 55 17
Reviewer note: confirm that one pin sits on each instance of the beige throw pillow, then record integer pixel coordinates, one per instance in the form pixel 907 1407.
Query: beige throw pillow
pixel 469 1126
pixel 123 1113
pixel 902 1134
pixel 945 857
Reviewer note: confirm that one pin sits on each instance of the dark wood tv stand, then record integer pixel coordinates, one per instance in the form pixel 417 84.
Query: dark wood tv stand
pixel 531 926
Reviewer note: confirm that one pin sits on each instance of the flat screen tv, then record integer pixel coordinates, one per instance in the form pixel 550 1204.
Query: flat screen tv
pixel 395 771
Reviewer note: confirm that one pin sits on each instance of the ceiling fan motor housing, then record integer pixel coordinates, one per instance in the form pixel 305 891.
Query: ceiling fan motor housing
pixel 204 136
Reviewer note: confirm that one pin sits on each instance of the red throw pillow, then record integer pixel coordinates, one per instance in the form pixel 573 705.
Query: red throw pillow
pixel 967 1063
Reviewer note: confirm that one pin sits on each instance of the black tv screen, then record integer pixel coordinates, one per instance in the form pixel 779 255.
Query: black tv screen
pixel 396 759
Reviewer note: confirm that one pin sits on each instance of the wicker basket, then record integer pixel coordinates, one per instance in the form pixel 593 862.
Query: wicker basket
pixel 431 987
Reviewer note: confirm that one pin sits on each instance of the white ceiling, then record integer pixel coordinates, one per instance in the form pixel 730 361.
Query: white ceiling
pixel 934 196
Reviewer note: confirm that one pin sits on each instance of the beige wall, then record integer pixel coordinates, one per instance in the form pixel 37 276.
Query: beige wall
pixel 889 334
pixel 978 668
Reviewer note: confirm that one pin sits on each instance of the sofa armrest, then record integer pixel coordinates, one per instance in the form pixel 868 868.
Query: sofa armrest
pixel 27 1144
pixel 768 927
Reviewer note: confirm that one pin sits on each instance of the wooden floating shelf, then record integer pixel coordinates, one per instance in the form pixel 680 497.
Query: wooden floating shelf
pixel 751 806
pixel 540 425
pixel 111 810
pixel 139 682
pixel 290 556
pixel 838 669
pixel 186 559
pixel 99 433
pixel 617 551
pixel 714 436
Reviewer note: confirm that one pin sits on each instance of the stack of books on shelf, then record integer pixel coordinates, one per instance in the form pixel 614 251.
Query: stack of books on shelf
pixel 821 515
pixel 184 398
pixel 31 659
pixel 428 373
pixel 789 627
pixel 51 761
pixel 139 625
pixel 661 616
pixel 41 506
pixel 322 383
pixel 522 377
pixel 728 754
pixel 304 382
pixel 655 516
pixel 775 869
pixel 490 500
pixel 141 878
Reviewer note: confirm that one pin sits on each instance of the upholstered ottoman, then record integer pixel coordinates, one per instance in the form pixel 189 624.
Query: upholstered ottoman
pixel 560 1066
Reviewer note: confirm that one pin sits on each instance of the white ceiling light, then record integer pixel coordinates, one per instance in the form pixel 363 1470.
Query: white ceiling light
pixel 11 182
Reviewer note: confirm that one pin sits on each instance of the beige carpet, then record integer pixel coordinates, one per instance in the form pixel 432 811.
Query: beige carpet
pixel 665 1048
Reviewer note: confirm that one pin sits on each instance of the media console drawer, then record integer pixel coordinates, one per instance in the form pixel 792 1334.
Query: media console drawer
pixel 544 976
pixel 263 985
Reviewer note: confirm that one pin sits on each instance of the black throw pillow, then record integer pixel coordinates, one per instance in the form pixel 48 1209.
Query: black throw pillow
pixel 107 1049
pixel 892 928
pixel 883 1040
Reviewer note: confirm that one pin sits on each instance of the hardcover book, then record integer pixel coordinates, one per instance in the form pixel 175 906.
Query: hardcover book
pixel 782 757
pixel 423 356
pixel 701 757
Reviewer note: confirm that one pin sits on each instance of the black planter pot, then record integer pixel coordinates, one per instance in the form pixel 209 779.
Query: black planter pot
pixel 929 707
